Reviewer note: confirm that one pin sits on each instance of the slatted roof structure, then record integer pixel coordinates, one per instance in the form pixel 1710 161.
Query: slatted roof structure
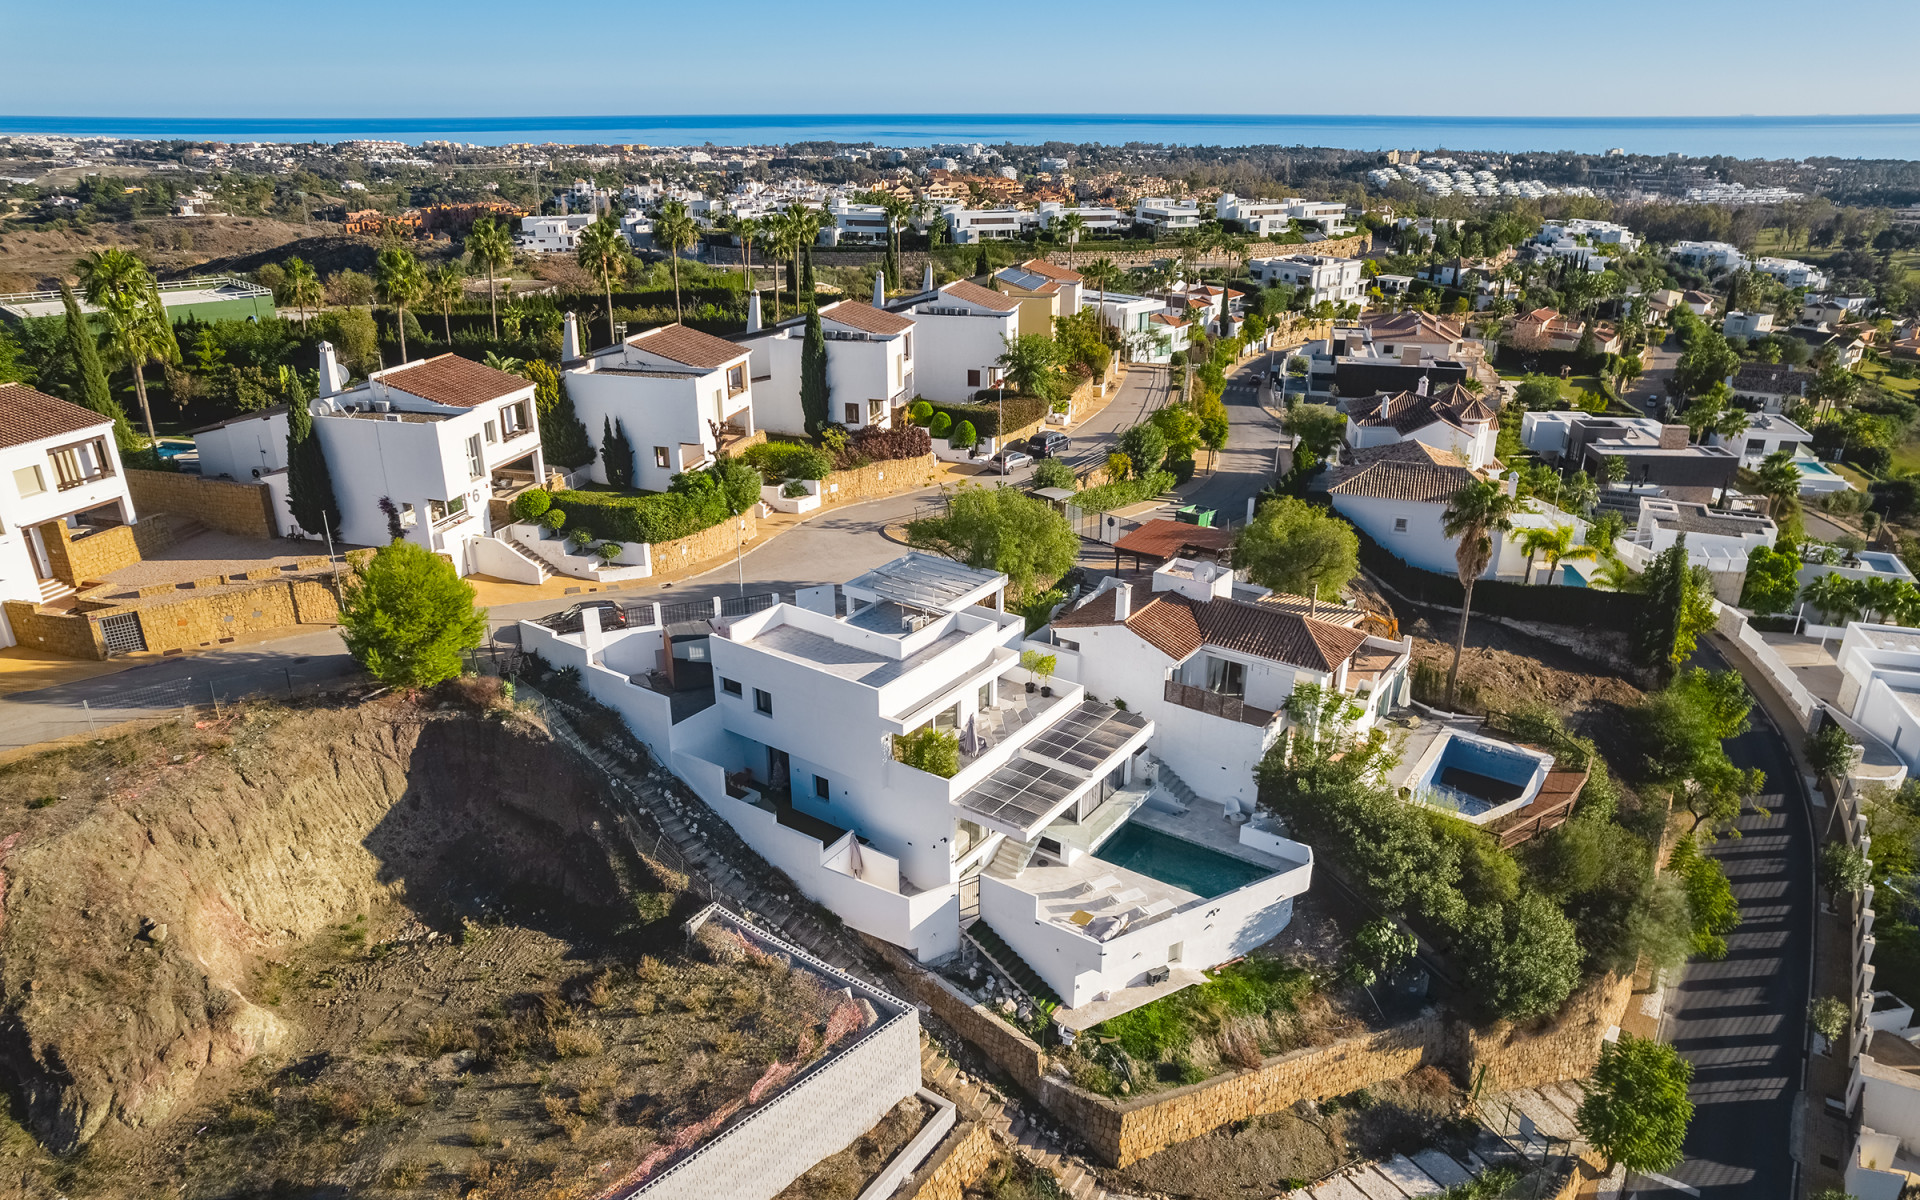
pixel 924 581
pixel 1062 760
pixel 1021 794
pixel 1087 736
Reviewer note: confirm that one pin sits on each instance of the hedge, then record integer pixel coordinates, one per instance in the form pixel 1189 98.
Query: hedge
pixel 1109 496
pixel 788 460
pixel 886 445
pixel 985 417
pixel 624 517
pixel 1546 603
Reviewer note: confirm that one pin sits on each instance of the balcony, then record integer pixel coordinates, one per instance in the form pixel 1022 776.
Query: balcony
pixel 1231 708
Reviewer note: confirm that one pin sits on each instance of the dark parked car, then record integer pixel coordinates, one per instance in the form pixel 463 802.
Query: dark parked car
pixel 1048 444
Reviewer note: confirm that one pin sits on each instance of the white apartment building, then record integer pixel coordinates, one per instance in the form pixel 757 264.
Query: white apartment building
pixel 1212 662
pixel 969 226
pixel 1583 232
pixel 1792 272
pixel 1166 215
pixel 678 395
pixel 1880 691
pixel 855 224
pixel 1336 280
pixel 1746 324
pixel 58 466
pixel 1140 320
pixel 962 329
pixel 869 367
pixel 1098 218
pixel 436 438
pixel 552 235
pixel 1263 218
pixel 1708 256
pixel 1051 827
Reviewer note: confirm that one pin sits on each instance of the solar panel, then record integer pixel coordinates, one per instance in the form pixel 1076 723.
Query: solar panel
pixel 1087 736
pixel 1020 794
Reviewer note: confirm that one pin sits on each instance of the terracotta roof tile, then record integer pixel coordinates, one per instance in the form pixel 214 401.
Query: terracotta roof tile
pixel 1168 539
pixel 1405 412
pixel 973 293
pixel 1040 266
pixel 1414 326
pixel 689 347
pixel 27 416
pixel 1403 479
pixel 1177 626
pixel 866 317
pixel 453 381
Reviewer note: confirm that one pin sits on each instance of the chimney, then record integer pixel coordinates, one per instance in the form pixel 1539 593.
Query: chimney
pixel 1674 437
pixel 1410 356
pixel 570 339
pixel 926 275
pixel 880 288
pixel 1123 601
pixel 332 377
pixel 753 312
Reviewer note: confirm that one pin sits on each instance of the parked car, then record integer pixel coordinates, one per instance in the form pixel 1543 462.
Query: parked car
pixel 1049 444
pixel 612 616
pixel 1011 460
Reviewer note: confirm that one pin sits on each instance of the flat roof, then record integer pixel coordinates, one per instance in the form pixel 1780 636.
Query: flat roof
pixel 924 581
pixel 192 291
pixel 853 663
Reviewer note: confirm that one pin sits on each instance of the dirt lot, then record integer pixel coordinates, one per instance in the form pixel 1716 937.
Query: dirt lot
pixel 268 955
pixel 178 246
pixel 1267 1155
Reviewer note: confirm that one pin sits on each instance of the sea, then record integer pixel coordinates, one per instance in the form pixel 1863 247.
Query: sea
pixel 1870 136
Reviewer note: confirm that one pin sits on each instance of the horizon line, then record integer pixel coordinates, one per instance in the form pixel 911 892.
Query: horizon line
pixel 778 118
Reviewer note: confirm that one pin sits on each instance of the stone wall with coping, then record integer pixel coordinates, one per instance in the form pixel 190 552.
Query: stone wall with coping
pixel 226 505
pixel 1012 1051
pixel 715 541
pixel 879 479
pixel 70 635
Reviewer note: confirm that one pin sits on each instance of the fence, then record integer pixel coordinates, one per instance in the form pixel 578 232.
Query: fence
pixel 1588 608
pixel 52 716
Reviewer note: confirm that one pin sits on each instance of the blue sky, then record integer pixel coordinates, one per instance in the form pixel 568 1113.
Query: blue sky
pixel 434 58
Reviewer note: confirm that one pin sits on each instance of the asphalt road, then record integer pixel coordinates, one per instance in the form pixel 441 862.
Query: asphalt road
pixel 1742 1021
pixel 835 546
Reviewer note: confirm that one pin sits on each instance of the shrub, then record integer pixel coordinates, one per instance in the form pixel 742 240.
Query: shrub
pixel 788 460
pixel 610 550
pixel 885 445
pixel 576 1043
pixel 963 436
pixel 940 424
pixel 554 519
pixel 920 412
pixel 1110 496
pixel 652 518
pixel 580 538
pixel 1052 473
pixel 935 751
pixel 531 505
pixel 794 490
pixel 1020 411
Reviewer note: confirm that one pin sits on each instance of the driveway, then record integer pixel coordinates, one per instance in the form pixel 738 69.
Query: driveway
pixel 1742 1021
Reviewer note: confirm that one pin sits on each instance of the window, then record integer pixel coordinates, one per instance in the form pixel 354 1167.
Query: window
pixel 820 788
pixel 947 719
pixel 660 456
pixel 81 463
pixel 474 469
pixel 29 481
pixel 1175 951
pixel 1226 678
pixel 907 350
pixel 730 686
pixel 736 379
pixel 986 696
pixel 493 433
pixel 763 702
pixel 1399 524
pixel 973 379
pixel 408 517
pixel 853 412
pixel 514 419
pixel 876 411
pixel 445 510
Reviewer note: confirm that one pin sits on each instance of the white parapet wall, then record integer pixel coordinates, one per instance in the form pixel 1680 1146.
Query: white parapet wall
pixel 767 1146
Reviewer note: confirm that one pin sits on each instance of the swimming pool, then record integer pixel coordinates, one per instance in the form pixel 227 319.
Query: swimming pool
pixel 172 449
pixel 1810 468
pixel 1186 865
pixel 1474 776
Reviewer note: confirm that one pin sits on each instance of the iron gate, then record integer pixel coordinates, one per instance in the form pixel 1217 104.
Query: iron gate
pixel 122 633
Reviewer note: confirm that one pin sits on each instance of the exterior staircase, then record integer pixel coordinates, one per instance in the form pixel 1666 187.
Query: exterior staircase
pixel 1008 962
pixel 1172 787
pixel 505 537
pixel 980 1100
pixel 54 589
pixel 1010 859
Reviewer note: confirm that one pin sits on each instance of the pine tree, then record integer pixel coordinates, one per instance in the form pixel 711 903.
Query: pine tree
pixel 92 377
pixel 814 398
pixel 309 483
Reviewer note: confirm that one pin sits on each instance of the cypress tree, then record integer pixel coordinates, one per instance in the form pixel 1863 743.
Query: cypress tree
pixel 808 296
pixel 813 376
pixel 309 483
pixel 983 265
pixel 892 268
pixel 562 435
pixel 91 377
pixel 616 453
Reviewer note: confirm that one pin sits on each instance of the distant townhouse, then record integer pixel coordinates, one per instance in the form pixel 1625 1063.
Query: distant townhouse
pixel 969 226
pixel 1166 215
pixel 1134 318
pixel 961 331
pixel 1045 292
pixel 1746 324
pixel 869 367
pixel 1770 387
pixel 1449 418
pixel 552 235
pixel 60 482
pixel 855 224
pixel 1325 279
pixel 1792 272
pixel 1708 256
pixel 1098 218
pixel 1211 663
pixel 436 439
pixel 1828 311
pixel 1264 218
pixel 679 395
pixel 1766 433
pixel 1589 234
pixel 1550 329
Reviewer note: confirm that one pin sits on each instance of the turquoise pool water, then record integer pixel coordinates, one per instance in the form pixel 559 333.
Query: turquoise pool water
pixel 1812 468
pixel 1185 865
pixel 171 449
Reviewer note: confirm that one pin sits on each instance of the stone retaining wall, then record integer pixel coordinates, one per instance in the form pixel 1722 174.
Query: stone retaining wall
pixel 1012 1051
pixel 879 479
pixel 226 505
pixel 1566 1047
pixel 714 541
pixel 956 1164
pixel 67 634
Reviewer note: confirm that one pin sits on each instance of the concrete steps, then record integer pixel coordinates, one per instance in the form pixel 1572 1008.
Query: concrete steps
pixel 1174 787
pixel 54 589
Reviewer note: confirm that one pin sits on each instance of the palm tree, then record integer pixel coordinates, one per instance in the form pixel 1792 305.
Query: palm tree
pixel 1102 272
pixel 1073 225
pixel 673 231
pixel 748 230
pixel 1836 596
pixel 303 287
pixel 446 287
pixel 119 283
pixel 603 250
pixel 899 211
pixel 503 362
pixel 1884 598
pixel 781 238
pixel 399 282
pixel 805 223
pixel 1474 514
pixel 489 246
pixel 1562 548
pixel 1779 481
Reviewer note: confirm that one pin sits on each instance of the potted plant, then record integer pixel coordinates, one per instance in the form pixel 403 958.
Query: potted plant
pixel 608 551
pixel 554 520
pixel 1041 667
pixel 580 538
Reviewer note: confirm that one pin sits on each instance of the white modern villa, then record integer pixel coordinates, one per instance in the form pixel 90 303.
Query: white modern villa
pixel 1047 836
